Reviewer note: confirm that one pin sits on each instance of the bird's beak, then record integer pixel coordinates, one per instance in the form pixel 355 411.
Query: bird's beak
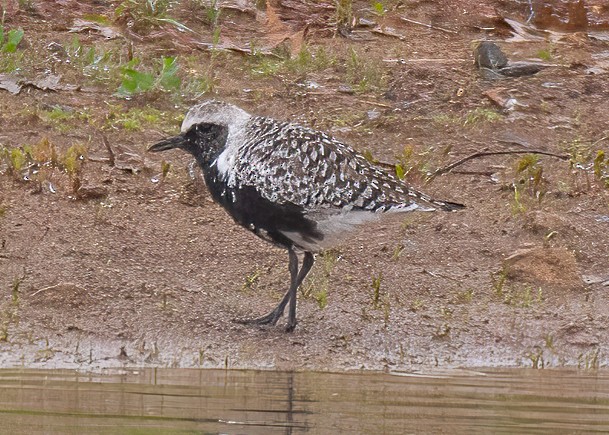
pixel 167 144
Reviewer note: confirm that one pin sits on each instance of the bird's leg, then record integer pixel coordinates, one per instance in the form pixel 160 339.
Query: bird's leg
pixel 272 317
pixel 296 278
pixel 307 263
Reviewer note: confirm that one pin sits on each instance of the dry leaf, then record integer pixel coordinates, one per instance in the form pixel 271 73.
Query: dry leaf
pixel 84 25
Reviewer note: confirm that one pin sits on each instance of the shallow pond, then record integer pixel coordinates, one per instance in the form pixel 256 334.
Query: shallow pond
pixel 268 402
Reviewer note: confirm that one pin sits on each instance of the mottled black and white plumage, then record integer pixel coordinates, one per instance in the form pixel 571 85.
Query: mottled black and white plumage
pixel 293 186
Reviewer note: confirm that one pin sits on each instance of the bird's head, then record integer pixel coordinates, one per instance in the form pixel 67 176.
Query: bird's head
pixel 205 130
pixel 205 141
pixel 215 112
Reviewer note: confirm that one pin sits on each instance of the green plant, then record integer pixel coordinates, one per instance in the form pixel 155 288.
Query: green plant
pixel 378 8
pixel 529 180
pixel 9 313
pixel 11 59
pixel 513 295
pixel 43 152
pixel 589 360
pixel 73 159
pixel 18 159
pixel 162 78
pixel 364 73
pixel 165 167
pixel 304 62
pixel 251 280
pixel 601 168
pixel 10 40
pixel 481 114
pixel 15 294
pixel 35 162
pixel 580 152
pixel 134 119
pixel 416 305
pixel 545 54
pixel 344 15
pixel 411 163
pixel 376 290
pixel 62 119
pixel 95 62
pixel 200 84
pixel 4 331
pixel 465 296
pixel 146 14
pixel 536 358
pixel 397 251
pixel 10 159
pixel 318 283
pixel 531 176
pixel 583 158
pixel 499 280
pixel 212 14
pixel 517 205
pixel 322 298
pixel 164 304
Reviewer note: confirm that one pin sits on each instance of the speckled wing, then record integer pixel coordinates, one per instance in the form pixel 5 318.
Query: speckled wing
pixel 287 163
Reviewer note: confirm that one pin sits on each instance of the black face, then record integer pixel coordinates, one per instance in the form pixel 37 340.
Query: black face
pixel 204 141
pixel 205 138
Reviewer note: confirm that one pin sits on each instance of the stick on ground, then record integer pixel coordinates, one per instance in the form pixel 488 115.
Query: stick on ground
pixel 453 165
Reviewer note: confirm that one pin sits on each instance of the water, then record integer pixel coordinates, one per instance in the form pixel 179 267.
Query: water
pixel 266 402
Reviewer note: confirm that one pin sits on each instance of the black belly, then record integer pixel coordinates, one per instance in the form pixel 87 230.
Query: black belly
pixel 265 218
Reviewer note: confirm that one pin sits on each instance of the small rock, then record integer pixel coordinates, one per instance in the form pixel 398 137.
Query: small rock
pixel 346 89
pixel 487 54
pixel 363 22
pixel 494 64
pixel 595 279
pixel 10 83
pixel 373 114
pixel 519 69
pixel 310 84
pixel 127 159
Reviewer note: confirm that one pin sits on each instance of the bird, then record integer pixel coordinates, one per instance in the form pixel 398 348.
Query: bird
pixel 295 187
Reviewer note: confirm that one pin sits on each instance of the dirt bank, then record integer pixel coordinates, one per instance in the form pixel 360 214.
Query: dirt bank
pixel 109 257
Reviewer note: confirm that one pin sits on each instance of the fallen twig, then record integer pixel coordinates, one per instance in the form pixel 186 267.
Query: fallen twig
pixel 437 275
pixel 109 148
pixel 600 140
pixel 430 26
pixel 388 32
pixel 427 60
pixel 374 103
pixel 453 165
pixel 53 287
pixel 208 46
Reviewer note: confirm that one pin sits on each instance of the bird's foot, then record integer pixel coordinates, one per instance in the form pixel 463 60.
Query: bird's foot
pixel 290 327
pixel 270 319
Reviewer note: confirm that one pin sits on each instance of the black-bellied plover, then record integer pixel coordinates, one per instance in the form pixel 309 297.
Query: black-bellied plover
pixel 293 186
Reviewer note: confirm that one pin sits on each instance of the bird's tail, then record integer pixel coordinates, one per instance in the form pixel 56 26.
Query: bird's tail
pixel 444 205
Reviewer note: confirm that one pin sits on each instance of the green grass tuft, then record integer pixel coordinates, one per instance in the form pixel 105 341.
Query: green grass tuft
pixel 163 77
